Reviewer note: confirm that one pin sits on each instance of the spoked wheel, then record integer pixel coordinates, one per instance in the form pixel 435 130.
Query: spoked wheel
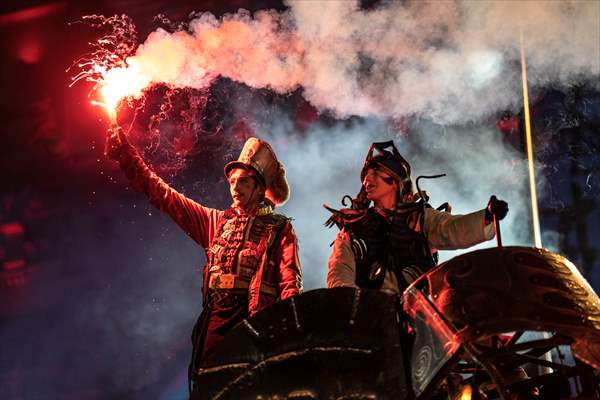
pixel 461 309
pixel 495 368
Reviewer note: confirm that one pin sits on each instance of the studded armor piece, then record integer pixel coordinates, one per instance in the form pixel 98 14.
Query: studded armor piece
pixel 241 241
pixel 381 244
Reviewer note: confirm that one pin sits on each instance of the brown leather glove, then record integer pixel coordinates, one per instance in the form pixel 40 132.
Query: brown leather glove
pixel 115 142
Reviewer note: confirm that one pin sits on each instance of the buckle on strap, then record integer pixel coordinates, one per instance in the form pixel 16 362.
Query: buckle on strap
pixel 227 281
pixel 232 281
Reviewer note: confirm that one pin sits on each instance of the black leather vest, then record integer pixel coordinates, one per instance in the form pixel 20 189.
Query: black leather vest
pixel 390 243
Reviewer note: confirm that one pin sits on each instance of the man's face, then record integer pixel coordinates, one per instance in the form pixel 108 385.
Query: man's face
pixel 380 187
pixel 244 188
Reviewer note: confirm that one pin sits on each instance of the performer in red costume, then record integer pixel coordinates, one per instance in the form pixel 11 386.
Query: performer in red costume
pixel 251 252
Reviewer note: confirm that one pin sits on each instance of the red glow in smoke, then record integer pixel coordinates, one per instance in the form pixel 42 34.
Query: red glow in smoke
pixel 509 125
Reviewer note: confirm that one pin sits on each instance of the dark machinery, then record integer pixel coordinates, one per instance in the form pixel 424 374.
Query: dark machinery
pixel 456 333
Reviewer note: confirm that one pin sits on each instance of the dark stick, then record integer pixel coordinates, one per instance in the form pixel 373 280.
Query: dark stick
pixel 497 228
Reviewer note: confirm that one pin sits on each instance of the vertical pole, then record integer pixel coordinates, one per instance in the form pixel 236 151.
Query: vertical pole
pixel 537 237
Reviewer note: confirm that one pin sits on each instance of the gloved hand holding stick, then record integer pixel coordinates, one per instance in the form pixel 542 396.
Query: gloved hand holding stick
pixel 495 211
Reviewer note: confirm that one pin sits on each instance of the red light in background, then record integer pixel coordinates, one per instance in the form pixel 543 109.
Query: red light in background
pixel 30 13
pixel 509 124
pixel 28 30
pixel 29 50
pixel 14 264
pixel 12 230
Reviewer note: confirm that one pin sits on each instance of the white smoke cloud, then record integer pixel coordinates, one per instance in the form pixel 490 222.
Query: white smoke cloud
pixel 449 61
pixel 321 167
pixel 324 164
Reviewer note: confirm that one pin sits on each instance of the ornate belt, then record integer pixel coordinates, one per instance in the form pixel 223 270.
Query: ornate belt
pixel 236 282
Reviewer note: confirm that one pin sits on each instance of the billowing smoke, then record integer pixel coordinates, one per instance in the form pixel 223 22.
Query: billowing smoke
pixel 449 61
pixel 324 164
pixel 446 63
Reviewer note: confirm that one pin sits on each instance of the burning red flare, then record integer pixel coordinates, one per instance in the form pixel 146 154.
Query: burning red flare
pixel 116 84
pixel 107 64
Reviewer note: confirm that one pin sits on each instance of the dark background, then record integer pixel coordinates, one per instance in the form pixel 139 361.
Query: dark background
pixel 86 308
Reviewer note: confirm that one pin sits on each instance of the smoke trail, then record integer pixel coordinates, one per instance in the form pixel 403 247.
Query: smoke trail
pixel 451 62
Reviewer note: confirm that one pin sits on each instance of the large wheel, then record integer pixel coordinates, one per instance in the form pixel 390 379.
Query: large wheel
pixel 470 314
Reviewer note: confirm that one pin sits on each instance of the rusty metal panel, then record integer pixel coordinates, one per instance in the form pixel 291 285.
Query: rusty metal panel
pixel 503 289
pixel 434 343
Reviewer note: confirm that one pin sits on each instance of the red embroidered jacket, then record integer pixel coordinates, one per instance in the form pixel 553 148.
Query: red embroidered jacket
pixel 262 249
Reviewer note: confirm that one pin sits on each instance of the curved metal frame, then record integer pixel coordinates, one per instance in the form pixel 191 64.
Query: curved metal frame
pixel 475 345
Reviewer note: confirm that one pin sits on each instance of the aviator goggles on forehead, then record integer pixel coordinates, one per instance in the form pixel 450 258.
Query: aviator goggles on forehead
pixel 385 155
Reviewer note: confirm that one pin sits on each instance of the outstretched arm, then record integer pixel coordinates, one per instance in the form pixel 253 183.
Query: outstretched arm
pixel 448 232
pixel 196 220
pixel 445 231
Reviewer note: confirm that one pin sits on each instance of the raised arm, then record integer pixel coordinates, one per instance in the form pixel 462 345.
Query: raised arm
pixel 196 220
